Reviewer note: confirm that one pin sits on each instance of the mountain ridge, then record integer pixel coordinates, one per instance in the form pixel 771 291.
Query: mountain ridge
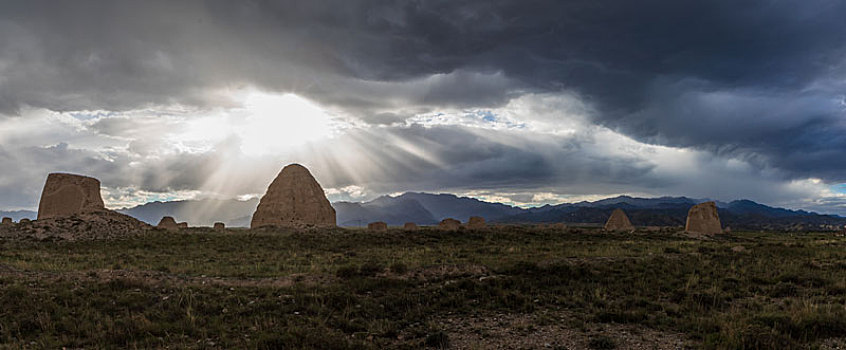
pixel 429 208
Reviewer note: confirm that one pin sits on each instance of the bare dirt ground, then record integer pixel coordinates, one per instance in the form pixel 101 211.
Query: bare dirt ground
pixel 552 330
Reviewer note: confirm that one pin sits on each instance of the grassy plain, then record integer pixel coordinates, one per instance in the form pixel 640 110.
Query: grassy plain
pixel 516 287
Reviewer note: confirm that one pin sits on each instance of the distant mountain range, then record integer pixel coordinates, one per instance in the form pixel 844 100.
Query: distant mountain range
pixel 672 211
pixel 17 215
pixel 233 213
pixel 428 209
pixel 421 208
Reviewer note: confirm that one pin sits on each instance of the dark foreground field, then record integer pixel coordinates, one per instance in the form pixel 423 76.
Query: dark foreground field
pixel 509 288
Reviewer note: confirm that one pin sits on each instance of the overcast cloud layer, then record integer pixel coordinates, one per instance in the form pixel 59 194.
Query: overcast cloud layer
pixel 525 102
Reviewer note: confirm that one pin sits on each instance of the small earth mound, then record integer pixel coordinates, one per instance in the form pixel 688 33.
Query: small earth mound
pixel 168 223
pixel 219 226
pixel 449 224
pixel 378 226
pixel 476 222
pixel 410 226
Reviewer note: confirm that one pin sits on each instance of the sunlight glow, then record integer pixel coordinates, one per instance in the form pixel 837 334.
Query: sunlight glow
pixel 275 123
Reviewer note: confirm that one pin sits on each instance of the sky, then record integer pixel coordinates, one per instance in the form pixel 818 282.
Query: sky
pixel 523 102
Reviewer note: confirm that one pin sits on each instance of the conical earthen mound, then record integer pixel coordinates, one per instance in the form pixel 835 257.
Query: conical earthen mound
pixel 619 222
pixel 294 199
pixel 67 194
pixel 703 219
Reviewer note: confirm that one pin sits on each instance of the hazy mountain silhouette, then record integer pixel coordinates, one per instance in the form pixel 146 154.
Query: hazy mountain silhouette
pixel 420 208
pixel 393 211
pixel 17 215
pixel 672 211
pixel 444 206
pixel 427 209
pixel 206 212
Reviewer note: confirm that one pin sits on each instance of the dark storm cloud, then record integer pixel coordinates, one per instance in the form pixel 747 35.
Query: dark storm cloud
pixel 21 188
pixel 438 158
pixel 443 158
pixel 461 159
pixel 801 132
pixel 676 73
pixel 758 80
